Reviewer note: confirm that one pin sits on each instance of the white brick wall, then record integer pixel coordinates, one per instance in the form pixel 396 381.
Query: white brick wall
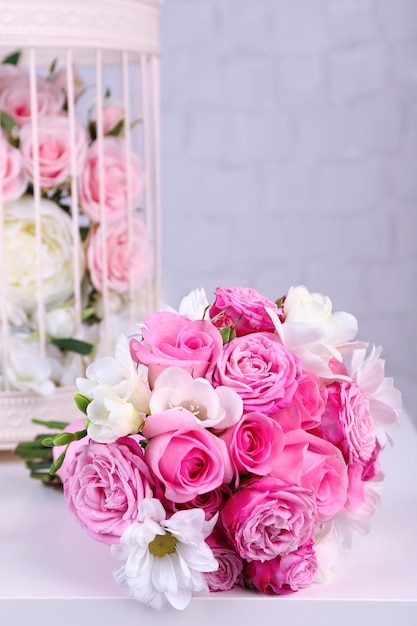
pixel 289 154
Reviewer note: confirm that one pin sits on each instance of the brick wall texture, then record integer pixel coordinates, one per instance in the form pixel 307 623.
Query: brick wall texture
pixel 289 155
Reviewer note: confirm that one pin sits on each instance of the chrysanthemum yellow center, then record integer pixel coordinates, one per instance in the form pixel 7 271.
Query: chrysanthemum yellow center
pixel 163 544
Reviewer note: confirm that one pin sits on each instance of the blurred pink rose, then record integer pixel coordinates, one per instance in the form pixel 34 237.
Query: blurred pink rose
pixel 229 573
pixel 114 181
pixel 243 309
pixel 253 443
pixel 211 502
pixel 269 517
pixel 171 339
pixel 15 97
pixel 122 265
pixel 112 112
pixel 54 149
pixel 284 574
pixel 105 485
pixel 261 370
pixel 60 80
pixel 314 463
pixel 12 175
pixel 307 406
pixel 347 422
pixel 187 458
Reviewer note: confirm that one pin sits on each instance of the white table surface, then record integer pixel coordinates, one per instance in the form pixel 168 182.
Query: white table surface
pixel 51 573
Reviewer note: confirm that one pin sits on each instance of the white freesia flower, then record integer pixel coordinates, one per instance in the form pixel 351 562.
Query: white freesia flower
pixel 212 408
pixel 26 369
pixel 20 249
pixel 194 305
pixel 313 332
pixel 62 321
pixel 120 395
pixel 164 558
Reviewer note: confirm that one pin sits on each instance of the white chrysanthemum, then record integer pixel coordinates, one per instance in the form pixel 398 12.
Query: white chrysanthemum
pixel 313 332
pixel 384 399
pixel 164 558
pixel 334 538
pixel 194 306
pixel 212 408
pixel 120 395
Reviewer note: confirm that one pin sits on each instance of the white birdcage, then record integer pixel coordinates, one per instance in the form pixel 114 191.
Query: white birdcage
pixel 78 156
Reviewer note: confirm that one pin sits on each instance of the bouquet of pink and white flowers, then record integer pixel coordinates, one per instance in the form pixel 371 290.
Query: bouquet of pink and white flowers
pixel 229 445
pixel 59 187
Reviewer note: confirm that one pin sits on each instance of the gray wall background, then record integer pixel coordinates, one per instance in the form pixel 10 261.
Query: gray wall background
pixel 289 155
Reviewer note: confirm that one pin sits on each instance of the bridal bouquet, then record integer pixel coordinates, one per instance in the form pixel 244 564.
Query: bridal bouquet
pixel 229 445
pixel 60 241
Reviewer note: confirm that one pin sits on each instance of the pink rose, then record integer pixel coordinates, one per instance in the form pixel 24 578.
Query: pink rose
pixel 105 485
pixel 316 464
pixel 253 444
pixel 112 114
pixel 15 97
pixel 269 517
pixel 211 502
pixel 261 370
pixel 229 573
pixel 307 406
pixel 60 80
pixel 347 422
pixel 170 339
pixel 187 458
pixel 114 181
pixel 54 139
pixel 122 265
pixel 243 309
pixel 284 574
pixel 12 175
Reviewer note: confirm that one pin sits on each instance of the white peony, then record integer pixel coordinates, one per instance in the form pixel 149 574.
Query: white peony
pixel 164 559
pixel 119 392
pixel 20 249
pixel 26 369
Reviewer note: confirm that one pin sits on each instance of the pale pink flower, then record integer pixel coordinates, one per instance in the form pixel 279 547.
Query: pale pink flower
pixel 16 102
pixel 54 142
pixel 112 114
pixel 115 180
pixel 12 175
pixel 229 572
pixel 307 406
pixel 125 262
pixel 105 485
pixel 60 79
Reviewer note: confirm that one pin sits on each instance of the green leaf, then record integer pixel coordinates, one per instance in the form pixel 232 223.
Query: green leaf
pixel 108 93
pixel 58 462
pixel 13 58
pixel 117 130
pixel 52 67
pixel 227 333
pixel 54 425
pixel 81 401
pixel 84 230
pixel 7 122
pixel 72 345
